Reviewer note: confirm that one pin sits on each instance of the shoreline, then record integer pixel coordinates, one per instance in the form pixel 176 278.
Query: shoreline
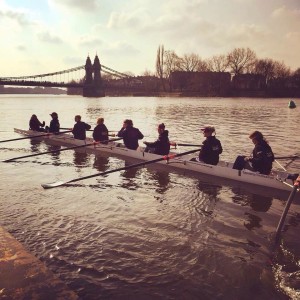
pixel 23 276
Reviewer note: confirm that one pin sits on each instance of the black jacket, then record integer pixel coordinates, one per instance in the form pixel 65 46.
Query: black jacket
pixel 162 144
pixel 35 124
pixel 263 158
pixel 79 130
pixel 100 133
pixel 54 125
pixel 130 136
pixel 210 151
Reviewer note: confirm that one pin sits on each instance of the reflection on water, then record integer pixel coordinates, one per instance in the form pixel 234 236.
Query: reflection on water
pixel 101 163
pixel 252 222
pixel 129 177
pixel 258 203
pixel 81 158
pixel 35 145
pixel 162 180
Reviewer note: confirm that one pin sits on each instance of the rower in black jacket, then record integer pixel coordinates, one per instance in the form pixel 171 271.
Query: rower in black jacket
pixel 130 135
pixel 80 128
pixel 100 133
pixel 211 147
pixel 35 124
pixel 162 145
pixel 54 124
pixel 262 156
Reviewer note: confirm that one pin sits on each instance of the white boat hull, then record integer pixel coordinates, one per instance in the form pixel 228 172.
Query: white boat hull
pixel 223 169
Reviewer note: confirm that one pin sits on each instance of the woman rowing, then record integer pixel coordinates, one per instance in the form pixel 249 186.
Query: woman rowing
pixel 262 156
pixel 54 123
pixel 35 124
pixel 130 135
pixel 211 147
pixel 80 128
pixel 100 133
pixel 162 145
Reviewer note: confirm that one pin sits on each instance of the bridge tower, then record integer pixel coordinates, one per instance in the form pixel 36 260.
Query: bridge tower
pixel 93 81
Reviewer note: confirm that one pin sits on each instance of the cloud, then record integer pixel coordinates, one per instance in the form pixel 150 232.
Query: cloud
pixel 21 48
pixel 122 20
pixel 90 41
pixel 288 18
pixel 47 37
pixel 120 49
pixel 19 17
pixel 86 5
pixel 73 60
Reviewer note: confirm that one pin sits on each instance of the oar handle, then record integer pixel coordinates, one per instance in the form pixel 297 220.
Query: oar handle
pixel 70 128
pixel 183 145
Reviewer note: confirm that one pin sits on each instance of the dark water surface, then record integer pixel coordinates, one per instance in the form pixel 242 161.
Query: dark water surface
pixel 152 233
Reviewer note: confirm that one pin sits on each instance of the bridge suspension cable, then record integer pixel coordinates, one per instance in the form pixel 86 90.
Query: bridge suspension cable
pixel 104 69
pixel 114 72
pixel 44 75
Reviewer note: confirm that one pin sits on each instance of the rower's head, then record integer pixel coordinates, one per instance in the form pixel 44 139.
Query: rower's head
pixel 256 137
pixel 161 128
pixel 127 122
pixel 100 121
pixel 33 117
pixel 77 118
pixel 54 115
pixel 208 130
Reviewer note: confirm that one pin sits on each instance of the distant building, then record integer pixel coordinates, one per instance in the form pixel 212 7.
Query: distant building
pixel 253 82
pixel 201 83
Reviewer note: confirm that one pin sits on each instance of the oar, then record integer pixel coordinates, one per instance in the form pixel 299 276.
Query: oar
pixel 165 157
pixel 88 129
pixel 286 209
pixel 59 150
pixel 34 136
pixel 184 145
pixel 280 165
pixel 287 157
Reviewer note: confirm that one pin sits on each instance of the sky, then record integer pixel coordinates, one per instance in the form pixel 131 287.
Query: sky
pixel 44 36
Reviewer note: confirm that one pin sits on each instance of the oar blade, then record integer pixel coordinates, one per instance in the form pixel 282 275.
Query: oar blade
pixel 53 185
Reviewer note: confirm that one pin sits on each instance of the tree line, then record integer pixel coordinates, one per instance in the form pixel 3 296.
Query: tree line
pixel 238 61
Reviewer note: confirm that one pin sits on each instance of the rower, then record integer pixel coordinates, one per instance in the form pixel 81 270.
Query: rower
pixel 54 123
pixel 262 156
pixel 100 133
pixel 35 124
pixel 162 145
pixel 130 135
pixel 79 129
pixel 211 147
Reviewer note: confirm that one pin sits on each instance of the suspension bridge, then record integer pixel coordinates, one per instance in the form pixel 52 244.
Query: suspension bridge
pixel 87 77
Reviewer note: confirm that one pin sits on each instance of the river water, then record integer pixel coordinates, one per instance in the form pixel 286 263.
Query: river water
pixel 153 233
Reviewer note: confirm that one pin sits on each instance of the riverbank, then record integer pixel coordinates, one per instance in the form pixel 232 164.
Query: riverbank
pixel 23 276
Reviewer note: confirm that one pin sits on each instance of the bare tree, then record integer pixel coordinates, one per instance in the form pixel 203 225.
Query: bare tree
pixel 172 63
pixel 160 65
pixel 240 60
pixel 281 70
pixel 189 62
pixel 147 73
pixel 265 67
pixel 202 66
pixel 218 63
pixel 297 72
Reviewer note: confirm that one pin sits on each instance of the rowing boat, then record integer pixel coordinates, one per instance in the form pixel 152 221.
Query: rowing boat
pixel 276 180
